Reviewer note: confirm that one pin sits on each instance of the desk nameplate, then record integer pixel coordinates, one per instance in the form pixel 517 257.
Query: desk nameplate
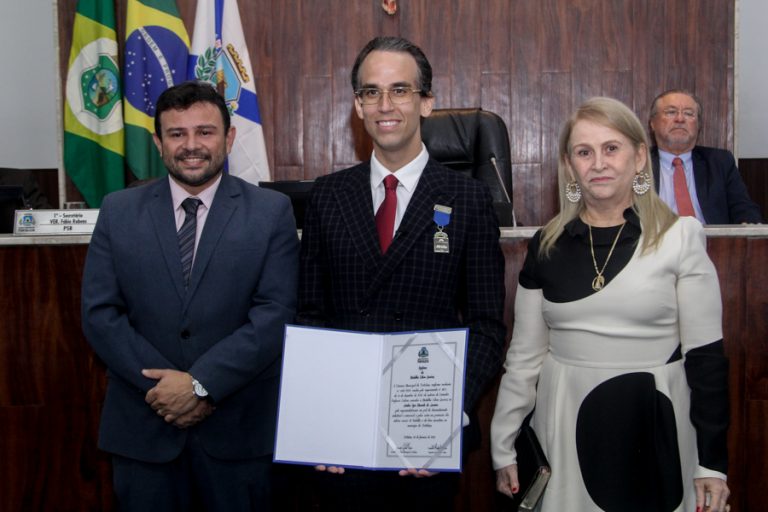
pixel 55 222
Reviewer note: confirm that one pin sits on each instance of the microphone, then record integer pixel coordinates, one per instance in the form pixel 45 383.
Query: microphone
pixel 492 158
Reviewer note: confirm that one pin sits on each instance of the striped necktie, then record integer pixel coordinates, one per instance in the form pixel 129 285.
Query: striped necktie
pixel 187 236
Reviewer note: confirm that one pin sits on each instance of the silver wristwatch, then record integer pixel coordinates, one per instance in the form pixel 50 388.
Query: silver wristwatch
pixel 198 389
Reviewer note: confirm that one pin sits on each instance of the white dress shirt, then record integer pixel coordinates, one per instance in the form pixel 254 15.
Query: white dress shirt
pixel 407 176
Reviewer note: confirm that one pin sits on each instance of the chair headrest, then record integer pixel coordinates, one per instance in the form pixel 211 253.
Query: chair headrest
pixel 465 140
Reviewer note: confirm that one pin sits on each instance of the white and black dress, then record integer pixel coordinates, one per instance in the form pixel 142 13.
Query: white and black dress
pixel 629 383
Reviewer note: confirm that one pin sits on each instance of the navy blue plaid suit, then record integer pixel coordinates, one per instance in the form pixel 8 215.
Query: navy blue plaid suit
pixel 346 283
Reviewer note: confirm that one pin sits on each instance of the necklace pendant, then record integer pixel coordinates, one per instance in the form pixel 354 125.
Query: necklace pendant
pixel 598 283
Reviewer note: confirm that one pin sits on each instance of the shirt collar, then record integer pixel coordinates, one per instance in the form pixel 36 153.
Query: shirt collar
pixel 178 194
pixel 408 175
pixel 665 160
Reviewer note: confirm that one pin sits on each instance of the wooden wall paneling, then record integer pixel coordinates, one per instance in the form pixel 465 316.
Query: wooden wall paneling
pixel 618 48
pixel 442 84
pixel 556 106
pixel 44 302
pixel 526 34
pixel 588 58
pixel 619 85
pixel 51 386
pixel 495 35
pixel 677 48
pixel 644 66
pixel 351 32
pixel 526 187
pixel 495 97
pixel 558 35
pixel 318 150
pixel 731 256
pixel 756 470
pixel 288 88
pixel 713 65
pixel 317 64
pixel 618 36
pixel 468 56
pixel 755 442
pixel 49 459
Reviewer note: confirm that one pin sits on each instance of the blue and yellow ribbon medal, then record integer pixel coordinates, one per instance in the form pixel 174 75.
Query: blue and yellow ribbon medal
pixel 442 218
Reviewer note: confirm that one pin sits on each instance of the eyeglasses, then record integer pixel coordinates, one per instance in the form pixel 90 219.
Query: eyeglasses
pixel 671 113
pixel 397 95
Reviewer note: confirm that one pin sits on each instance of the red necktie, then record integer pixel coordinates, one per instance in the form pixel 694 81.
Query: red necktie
pixel 385 216
pixel 682 197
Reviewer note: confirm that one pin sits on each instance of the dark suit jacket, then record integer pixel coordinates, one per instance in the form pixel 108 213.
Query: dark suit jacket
pixel 722 194
pixel 346 283
pixel 226 329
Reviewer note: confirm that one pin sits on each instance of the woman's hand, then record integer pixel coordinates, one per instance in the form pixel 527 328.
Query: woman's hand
pixel 718 494
pixel 506 480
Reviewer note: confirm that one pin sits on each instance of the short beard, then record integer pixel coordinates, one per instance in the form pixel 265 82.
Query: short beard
pixel 215 166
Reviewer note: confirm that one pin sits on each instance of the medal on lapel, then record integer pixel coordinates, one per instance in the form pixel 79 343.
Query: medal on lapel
pixel 442 218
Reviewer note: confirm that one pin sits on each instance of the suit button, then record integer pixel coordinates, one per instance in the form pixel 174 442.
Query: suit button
pixel 365 312
pixel 185 334
pixel 398 316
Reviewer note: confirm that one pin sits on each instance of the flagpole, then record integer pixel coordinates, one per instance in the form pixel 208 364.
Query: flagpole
pixel 59 120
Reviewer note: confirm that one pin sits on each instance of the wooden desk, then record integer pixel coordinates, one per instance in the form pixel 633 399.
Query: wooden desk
pixel 52 386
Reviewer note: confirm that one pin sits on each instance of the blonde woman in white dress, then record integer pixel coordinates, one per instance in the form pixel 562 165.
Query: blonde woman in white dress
pixel 617 345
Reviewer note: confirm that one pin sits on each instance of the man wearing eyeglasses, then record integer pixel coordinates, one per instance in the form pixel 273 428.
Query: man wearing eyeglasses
pixel 401 243
pixel 695 180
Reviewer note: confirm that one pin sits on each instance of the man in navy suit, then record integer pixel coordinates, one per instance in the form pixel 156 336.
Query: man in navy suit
pixel 192 352
pixel 434 264
pixel 715 189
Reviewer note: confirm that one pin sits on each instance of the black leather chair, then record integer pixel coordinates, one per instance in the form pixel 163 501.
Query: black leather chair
pixel 473 141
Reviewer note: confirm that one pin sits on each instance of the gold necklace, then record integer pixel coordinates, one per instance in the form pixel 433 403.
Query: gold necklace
pixel 599 281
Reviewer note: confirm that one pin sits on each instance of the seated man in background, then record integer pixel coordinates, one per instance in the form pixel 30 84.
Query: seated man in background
pixel 693 180
pixel 33 196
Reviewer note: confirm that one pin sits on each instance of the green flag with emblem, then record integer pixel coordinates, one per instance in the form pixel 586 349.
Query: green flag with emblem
pixel 93 115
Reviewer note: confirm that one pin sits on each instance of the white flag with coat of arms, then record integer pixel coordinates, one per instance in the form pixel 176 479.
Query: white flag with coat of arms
pixel 219 56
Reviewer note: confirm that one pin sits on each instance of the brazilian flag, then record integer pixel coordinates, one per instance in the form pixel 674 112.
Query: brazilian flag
pixel 156 54
pixel 93 115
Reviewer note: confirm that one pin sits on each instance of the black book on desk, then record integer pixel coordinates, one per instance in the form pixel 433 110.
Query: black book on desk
pixel 533 469
pixel 11 199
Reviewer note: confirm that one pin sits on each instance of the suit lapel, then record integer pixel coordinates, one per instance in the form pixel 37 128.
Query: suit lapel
pixel 655 165
pixel 164 221
pixel 223 206
pixel 701 181
pixel 356 207
pixel 417 219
